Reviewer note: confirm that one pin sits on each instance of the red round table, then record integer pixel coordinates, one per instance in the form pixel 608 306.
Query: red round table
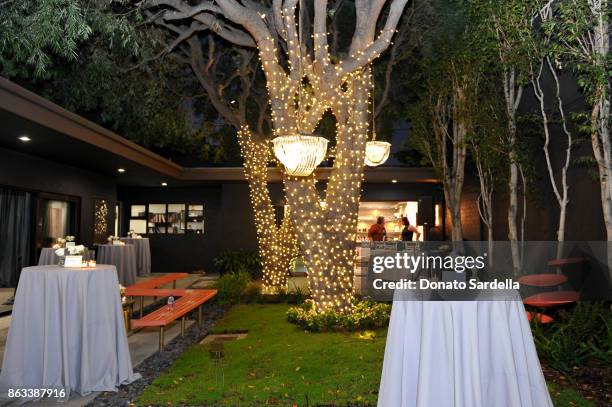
pixel 552 299
pixel 543 280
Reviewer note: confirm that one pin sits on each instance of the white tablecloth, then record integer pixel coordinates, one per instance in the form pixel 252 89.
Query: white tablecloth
pixel 143 254
pixel 67 332
pixel 121 256
pixel 461 354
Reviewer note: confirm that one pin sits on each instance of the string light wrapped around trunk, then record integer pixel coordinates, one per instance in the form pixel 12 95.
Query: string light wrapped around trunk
pixel 300 153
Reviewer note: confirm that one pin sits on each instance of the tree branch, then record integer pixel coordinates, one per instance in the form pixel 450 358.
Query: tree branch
pixel 198 66
pixel 321 54
pixel 363 57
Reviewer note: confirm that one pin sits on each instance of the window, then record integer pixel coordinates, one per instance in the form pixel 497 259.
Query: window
pixel 167 219
pixel 157 219
pixel 138 219
pixel 195 219
pixel 176 218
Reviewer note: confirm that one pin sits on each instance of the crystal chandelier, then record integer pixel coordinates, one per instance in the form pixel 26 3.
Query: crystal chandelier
pixel 376 152
pixel 301 153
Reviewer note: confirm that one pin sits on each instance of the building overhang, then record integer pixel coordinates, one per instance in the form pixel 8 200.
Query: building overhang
pixel 372 175
pixel 77 141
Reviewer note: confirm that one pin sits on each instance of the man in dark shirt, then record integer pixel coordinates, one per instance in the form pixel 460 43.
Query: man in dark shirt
pixel 377 231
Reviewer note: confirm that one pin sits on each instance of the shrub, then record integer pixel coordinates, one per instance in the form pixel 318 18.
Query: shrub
pixel 365 315
pixel 231 286
pixel 295 295
pixel 579 337
pixel 236 261
pixel 252 293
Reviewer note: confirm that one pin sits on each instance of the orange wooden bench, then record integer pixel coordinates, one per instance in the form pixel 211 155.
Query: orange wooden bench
pixel 164 316
pixel 149 288
pixel 160 292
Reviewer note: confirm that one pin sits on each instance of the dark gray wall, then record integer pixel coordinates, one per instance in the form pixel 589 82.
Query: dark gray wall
pixel 229 219
pixel 238 225
pixel 400 192
pixel 26 172
pixel 180 253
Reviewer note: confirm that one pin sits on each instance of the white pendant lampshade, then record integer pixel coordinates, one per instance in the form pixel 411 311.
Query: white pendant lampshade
pixel 376 153
pixel 301 153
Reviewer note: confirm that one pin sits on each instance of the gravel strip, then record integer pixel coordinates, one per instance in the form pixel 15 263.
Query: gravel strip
pixel 156 364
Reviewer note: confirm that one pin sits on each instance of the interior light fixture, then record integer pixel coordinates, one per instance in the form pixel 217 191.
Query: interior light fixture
pixel 25 139
pixel 121 170
pixel 164 184
pixel 394 181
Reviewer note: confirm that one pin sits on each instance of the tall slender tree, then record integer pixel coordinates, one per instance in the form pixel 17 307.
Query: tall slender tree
pixel 546 62
pixel 487 148
pixel 442 122
pixel 581 33
pixel 441 126
pixel 508 26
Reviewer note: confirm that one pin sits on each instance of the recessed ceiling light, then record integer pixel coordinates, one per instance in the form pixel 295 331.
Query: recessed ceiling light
pixel 121 170
pixel 25 139
pixel 394 181
pixel 164 184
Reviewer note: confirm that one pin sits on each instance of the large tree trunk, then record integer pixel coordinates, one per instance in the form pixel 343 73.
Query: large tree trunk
pixel 327 232
pixel 277 245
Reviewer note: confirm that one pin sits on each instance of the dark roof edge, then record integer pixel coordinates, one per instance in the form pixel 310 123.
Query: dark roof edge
pixel 26 104
pixel 372 175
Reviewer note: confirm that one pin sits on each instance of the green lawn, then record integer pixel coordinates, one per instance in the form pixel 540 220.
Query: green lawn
pixel 277 363
pixel 563 397
pixel 280 364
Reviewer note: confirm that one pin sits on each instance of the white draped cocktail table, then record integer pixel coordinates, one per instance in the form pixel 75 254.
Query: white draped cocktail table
pixel 67 333
pixel 461 354
pixel 123 257
pixel 143 254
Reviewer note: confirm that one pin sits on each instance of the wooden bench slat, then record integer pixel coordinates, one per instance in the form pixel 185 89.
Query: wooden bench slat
pixel 160 292
pixel 182 307
pixel 159 281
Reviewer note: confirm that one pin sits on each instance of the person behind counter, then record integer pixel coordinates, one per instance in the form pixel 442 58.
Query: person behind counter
pixel 409 230
pixel 377 232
